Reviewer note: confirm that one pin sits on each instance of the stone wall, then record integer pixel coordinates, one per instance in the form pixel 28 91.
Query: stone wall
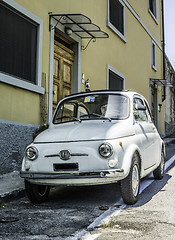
pixel 14 137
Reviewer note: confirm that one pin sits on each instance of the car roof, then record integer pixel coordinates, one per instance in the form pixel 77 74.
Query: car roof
pixel 126 92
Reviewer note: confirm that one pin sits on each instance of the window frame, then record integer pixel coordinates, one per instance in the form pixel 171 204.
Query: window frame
pixel 111 26
pixel 140 113
pixel 109 68
pixel 15 81
pixel 153 53
pixel 151 13
pixel 148 111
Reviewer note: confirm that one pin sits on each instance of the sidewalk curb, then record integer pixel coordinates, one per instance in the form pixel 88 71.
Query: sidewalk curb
pixel 9 196
pixel 11 186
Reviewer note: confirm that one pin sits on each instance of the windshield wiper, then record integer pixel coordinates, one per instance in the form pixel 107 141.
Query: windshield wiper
pixel 77 119
pixel 74 118
pixel 101 116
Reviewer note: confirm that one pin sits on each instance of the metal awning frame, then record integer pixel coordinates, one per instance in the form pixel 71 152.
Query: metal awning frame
pixel 160 82
pixel 80 25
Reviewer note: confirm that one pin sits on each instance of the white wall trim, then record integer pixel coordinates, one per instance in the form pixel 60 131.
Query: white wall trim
pixel 150 12
pixel 51 61
pixel 76 67
pixel 142 24
pixel 153 56
pixel 12 80
pixel 16 82
pixel 152 15
pixel 112 69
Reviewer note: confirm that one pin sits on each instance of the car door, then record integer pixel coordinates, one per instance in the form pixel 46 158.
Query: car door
pixel 145 131
pixel 155 147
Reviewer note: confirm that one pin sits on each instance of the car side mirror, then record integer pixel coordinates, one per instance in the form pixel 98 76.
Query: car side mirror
pixel 140 107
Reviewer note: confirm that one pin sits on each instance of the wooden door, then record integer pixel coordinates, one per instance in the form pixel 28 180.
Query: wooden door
pixel 63 72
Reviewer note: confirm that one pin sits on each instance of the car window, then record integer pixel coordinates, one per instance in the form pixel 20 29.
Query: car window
pixel 139 115
pixel 95 106
pixel 82 112
pixel 66 113
pixel 148 112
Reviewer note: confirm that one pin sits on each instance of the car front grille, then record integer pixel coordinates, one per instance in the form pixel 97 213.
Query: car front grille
pixel 65 167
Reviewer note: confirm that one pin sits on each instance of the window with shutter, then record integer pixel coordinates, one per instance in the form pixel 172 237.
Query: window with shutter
pixel 153 7
pixel 18 45
pixel 154 56
pixel 115 82
pixel 116 17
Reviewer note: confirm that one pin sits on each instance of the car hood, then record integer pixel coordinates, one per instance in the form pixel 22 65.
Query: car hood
pixel 85 131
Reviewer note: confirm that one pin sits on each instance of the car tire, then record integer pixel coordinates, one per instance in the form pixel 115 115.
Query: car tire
pixel 37 193
pixel 159 171
pixel 130 186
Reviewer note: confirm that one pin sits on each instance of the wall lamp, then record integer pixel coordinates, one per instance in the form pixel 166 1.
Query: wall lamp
pixel 68 31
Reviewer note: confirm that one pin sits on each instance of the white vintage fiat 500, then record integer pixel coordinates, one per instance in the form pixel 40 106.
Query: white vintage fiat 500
pixel 97 137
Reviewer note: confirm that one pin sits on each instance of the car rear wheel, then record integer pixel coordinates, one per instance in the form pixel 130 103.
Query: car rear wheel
pixel 130 186
pixel 159 172
pixel 37 193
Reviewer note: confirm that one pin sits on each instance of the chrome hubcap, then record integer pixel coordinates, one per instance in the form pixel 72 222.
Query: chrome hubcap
pixel 135 180
pixel 42 190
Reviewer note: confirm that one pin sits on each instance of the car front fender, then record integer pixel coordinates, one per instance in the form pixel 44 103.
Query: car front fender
pixel 128 156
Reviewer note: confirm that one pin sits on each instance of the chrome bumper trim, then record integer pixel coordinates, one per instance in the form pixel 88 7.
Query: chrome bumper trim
pixel 73 175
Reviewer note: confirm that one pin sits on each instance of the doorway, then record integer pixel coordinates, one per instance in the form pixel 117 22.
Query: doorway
pixel 154 105
pixel 62 69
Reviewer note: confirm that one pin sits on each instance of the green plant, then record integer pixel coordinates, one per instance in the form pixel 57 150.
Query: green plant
pixel 41 129
pixel 2 205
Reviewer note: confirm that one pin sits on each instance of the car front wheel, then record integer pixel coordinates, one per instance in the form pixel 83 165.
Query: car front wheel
pixel 36 193
pixel 130 186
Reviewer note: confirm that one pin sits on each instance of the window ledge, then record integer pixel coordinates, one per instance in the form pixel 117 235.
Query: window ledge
pixel 123 38
pixel 21 83
pixel 154 68
pixel 152 15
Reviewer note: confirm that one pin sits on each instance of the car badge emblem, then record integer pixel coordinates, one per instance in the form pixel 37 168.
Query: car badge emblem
pixel 65 155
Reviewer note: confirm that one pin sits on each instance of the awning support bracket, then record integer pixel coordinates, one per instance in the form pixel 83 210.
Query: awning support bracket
pixel 58 21
pixel 84 47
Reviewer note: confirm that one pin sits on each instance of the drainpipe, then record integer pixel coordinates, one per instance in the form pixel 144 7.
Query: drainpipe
pixel 163 43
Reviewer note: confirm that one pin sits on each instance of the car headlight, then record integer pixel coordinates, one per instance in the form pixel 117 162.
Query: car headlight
pixel 32 153
pixel 105 150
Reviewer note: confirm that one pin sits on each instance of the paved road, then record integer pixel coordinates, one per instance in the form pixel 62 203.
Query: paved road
pixel 71 210
pixel 152 217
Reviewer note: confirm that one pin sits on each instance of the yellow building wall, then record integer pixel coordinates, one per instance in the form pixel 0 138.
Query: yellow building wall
pixel 132 59
pixel 155 27
pixel 19 105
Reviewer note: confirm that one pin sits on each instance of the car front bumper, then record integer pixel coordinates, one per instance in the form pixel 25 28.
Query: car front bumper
pixel 74 178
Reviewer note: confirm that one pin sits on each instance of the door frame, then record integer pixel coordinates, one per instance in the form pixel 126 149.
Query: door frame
pixel 155 100
pixel 76 42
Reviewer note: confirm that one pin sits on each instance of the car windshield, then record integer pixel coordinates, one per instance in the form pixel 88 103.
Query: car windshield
pixel 90 107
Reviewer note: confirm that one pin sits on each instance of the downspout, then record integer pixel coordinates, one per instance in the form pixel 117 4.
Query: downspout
pixel 163 43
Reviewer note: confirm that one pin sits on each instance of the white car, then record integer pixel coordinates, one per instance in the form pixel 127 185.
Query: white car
pixel 97 137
